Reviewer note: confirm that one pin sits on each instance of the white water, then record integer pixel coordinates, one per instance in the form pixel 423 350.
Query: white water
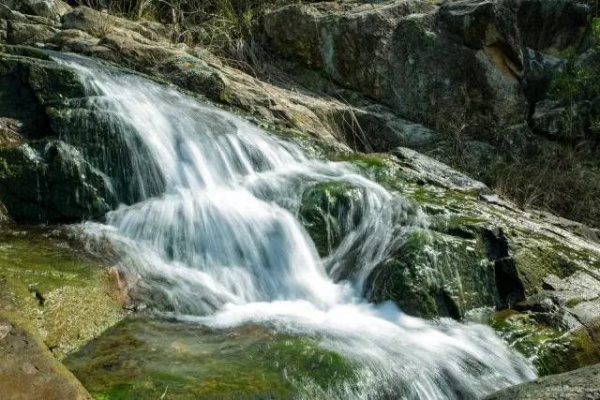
pixel 222 246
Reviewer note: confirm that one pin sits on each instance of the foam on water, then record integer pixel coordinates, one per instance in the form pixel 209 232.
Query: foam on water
pixel 220 244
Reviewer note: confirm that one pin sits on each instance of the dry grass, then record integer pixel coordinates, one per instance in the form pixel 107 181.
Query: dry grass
pixel 565 181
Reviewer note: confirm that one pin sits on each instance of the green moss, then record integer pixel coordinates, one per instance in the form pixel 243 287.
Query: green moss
pixel 573 302
pixel 142 358
pixel 65 294
pixel 370 160
pixel 324 206
pixel 538 261
pixel 551 350
pixel 434 274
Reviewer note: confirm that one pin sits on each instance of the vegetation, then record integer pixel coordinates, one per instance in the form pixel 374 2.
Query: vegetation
pixel 565 181
pixel 224 26
pixel 564 177
pixel 550 350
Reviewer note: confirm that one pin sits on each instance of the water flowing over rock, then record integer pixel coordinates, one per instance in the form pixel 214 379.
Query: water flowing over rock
pixel 46 179
pixel 279 246
pixel 220 246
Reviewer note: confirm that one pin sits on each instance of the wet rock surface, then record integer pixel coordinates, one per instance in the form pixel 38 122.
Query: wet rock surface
pixel 45 179
pixel 53 299
pixel 145 358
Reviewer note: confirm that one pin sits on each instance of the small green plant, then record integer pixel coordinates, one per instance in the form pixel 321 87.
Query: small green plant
pixel 574 83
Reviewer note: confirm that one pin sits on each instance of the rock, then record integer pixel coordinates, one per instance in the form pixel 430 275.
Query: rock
pixel 552 27
pixel 29 371
pixel 28 34
pixel 463 262
pixel 52 182
pixel 259 364
pixel 195 75
pixel 581 384
pixel 541 70
pixel 99 24
pixel 434 171
pixel 434 274
pixel 561 120
pixel 375 129
pixel 50 284
pixel 74 40
pixel 436 68
pixel 62 184
pixel 19 103
pixel 9 132
pixel 51 9
pixel 552 350
pixel 589 60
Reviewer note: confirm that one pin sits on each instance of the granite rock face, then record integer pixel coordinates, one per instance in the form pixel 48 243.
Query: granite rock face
pixel 432 65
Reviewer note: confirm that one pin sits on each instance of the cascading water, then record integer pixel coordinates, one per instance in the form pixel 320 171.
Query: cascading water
pixel 212 238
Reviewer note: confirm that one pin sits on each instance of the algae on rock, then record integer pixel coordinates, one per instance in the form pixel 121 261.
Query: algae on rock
pixel 64 294
pixel 144 358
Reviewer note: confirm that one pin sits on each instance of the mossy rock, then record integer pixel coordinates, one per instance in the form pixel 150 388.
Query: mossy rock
pixel 325 212
pixel 145 358
pixel 551 350
pixel 535 262
pixel 53 84
pixel 64 293
pixel 46 180
pixel 433 274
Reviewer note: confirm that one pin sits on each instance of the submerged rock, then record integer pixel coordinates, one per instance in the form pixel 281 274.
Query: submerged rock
pixel 147 358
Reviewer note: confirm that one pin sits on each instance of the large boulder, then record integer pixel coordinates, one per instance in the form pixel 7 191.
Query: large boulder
pixel 41 178
pixel 458 67
pixel 465 67
pixel 539 281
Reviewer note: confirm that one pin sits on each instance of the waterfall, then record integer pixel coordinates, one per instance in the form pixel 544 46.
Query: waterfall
pixel 209 234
